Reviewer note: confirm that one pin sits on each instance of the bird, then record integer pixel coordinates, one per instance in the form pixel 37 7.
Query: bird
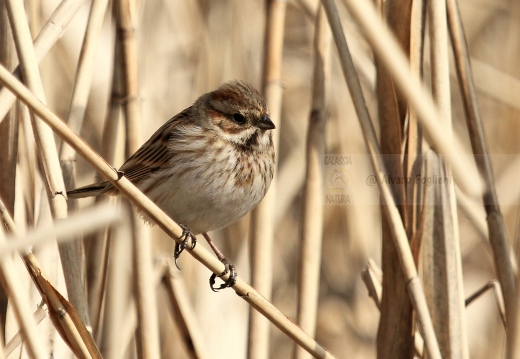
pixel 206 167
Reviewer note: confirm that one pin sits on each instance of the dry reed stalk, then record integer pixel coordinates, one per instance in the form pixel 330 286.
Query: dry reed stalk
pixel 395 332
pixel 153 212
pixel 412 153
pixel 83 79
pixel 513 331
pixel 495 221
pixel 77 107
pixel 441 263
pixel 180 304
pixel 45 144
pixel 9 133
pixel 17 339
pixel 312 213
pixel 130 104
pixel 9 127
pixel 98 250
pixel 44 137
pixel 47 38
pixel 497 84
pixel 27 166
pixel 12 286
pixel 82 85
pixel 442 269
pixel 128 324
pixel 126 47
pixel 385 47
pixel 262 217
pixel 85 221
pixel 388 204
pixel 373 277
pixel 118 292
pixel 64 316
pixel 290 177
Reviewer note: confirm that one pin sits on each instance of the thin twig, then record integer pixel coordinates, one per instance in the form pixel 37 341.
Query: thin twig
pixel 493 284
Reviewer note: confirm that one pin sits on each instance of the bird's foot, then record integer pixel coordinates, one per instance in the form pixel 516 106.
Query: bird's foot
pixel 180 247
pixel 229 268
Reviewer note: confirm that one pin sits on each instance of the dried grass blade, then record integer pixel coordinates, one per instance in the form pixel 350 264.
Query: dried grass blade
pixel 442 267
pixel 62 314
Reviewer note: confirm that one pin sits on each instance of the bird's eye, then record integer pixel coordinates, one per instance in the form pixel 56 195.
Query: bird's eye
pixel 239 118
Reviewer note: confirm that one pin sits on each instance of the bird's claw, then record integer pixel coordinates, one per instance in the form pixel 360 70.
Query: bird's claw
pixel 229 268
pixel 180 247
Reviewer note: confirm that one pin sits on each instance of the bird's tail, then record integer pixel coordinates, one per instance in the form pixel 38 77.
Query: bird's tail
pixel 90 190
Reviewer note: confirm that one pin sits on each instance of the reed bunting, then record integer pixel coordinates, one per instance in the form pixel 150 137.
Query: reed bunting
pixel 207 166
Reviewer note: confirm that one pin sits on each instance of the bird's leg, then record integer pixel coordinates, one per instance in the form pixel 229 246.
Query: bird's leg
pixel 185 238
pixel 229 268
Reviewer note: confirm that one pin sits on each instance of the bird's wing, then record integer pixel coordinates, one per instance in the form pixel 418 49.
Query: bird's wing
pixel 154 154
pixel 150 157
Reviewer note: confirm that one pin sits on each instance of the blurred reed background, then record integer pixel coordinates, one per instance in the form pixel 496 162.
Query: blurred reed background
pixel 185 48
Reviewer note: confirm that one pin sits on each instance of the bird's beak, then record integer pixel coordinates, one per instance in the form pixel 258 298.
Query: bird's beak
pixel 265 123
